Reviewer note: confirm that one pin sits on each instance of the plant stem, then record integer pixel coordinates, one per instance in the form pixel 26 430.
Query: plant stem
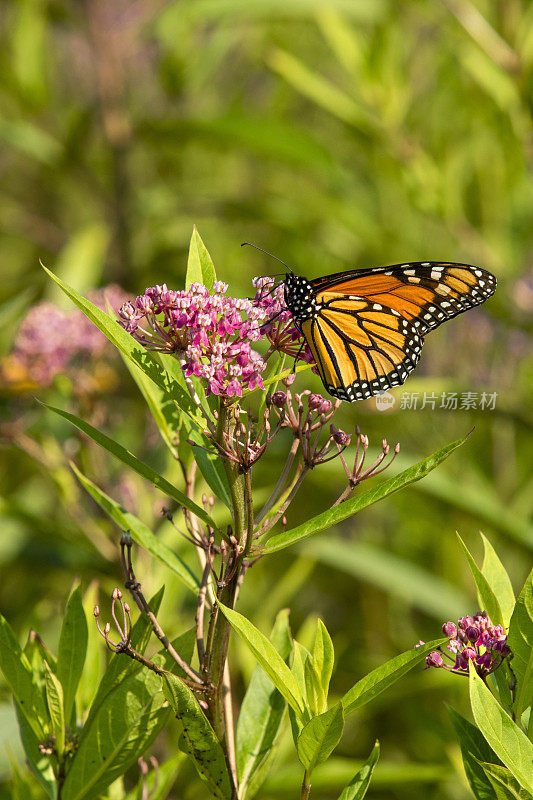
pixel 281 482
pixel 306 787
pixel 220 712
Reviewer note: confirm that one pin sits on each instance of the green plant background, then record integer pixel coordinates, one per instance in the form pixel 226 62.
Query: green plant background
pixel 334 134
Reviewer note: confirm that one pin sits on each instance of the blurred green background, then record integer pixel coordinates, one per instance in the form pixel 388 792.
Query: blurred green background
pixel 334 134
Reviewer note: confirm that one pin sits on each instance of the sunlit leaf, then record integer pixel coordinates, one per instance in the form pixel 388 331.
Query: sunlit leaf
pixel 319 737
pixel 520 640
pixel 267 655
pixel 200 268
pixel 507 740
pixel 487 598
pixel 498 580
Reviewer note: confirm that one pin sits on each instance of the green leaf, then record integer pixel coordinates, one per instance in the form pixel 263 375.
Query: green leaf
pixel 319 737
pixel 316 699
pixel 498 580
pixel 140 532
pixel 385 675
pixel 509 743
pixel 54 699
pixel 72 649
pixel 123 727
pixel 505 786
pixel 520 640
pixel 133 462
pixel 93 667
pixel 148 362
pixel 200 268
pixel 39 764
pixel 474 748
pixel 260 716
pixel 201 742
pixel 357 788
pixel 267 655
pixel 487 598
pixel 350 507
pixel 323 655
pixel 19 676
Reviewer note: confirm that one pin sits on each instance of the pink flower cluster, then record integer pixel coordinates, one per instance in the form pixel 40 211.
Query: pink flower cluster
pixel 212 334
pixel 473 639
pixel 50 339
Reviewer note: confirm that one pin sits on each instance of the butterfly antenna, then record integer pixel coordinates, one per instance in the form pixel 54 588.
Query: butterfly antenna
pixel 249 244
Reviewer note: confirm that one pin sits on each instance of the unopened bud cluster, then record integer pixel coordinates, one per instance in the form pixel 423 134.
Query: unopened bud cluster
pixel 473 639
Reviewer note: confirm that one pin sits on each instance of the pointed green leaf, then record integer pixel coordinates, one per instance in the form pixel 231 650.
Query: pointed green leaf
pixel 147 361
pixel 507 740
pixel 123 727
pixel 316 699
pixel 200 268
pixel 72 649
pixel 319 737
pixel 487 598
pixel 498 580
pixel 505 786
pixel 267 656
pixel 133 462
pixel 350 507
pixel 140 532
pixel 520 640
pixel 54 699
pixel 323 655
pixel 201 741
pixel 385 675
pixel 474 748
pixel 38 762
pixel 19 677
pixel 260 716
pixel 358 786
pixel 94 660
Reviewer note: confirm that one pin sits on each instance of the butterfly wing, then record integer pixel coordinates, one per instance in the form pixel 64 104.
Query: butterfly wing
pixel 367 333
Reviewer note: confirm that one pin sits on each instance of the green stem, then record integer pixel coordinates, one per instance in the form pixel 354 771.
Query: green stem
pixel 306 787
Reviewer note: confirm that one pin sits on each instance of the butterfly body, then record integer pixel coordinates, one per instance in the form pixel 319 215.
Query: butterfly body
pixel 366 327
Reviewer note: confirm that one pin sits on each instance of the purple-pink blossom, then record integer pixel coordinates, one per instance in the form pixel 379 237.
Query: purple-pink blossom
pixel 50 339
pixel 471 639
pixel 213 335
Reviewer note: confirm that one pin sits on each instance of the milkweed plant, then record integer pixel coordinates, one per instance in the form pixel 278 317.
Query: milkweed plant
pixel 218 377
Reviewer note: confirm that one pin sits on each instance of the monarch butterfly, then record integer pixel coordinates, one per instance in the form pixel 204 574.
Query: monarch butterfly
pixel 366 328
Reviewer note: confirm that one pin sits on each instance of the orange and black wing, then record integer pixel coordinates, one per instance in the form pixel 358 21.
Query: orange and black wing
pixel 369 328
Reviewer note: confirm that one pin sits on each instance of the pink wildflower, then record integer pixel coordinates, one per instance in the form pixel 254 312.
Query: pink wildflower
pixel 213 335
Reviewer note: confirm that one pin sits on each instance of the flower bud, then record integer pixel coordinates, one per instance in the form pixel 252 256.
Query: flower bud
pixel 434 659
pixel 96 611
pixel 469 653
pixel 325 406
pixel 472 633
pixel 315 402
pixel 449 629
pixel 465 622
pixel 289 380
pixel 279 399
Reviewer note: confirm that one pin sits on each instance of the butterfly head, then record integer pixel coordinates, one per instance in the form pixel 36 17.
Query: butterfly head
pixel 299 297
